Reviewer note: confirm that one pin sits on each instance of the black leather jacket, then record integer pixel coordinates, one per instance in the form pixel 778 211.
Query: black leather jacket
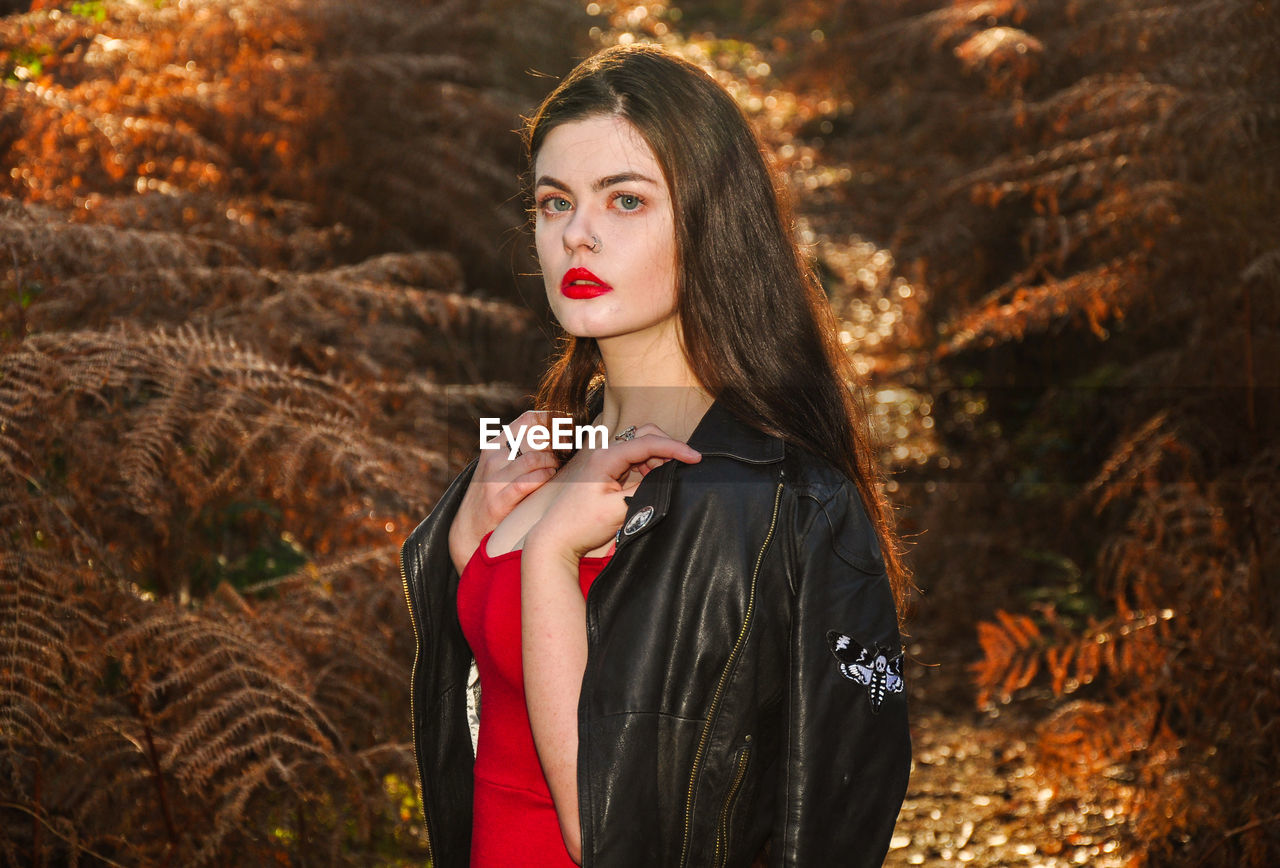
pixel 743 678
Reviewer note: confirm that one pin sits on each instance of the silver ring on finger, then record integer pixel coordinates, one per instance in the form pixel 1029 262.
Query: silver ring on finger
pixel 627 433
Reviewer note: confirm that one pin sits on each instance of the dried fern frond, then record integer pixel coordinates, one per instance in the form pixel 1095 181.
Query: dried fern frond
pixel 41 625
pixel 1015 653
pixel 188 101
pixel 1097 296
pixel 231 379
pixel 1090 224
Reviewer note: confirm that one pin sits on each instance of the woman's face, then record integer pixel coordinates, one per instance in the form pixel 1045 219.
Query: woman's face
pixel 605 231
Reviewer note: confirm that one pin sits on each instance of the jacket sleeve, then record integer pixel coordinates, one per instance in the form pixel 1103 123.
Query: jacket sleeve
pixel 847 745
pixel 441 738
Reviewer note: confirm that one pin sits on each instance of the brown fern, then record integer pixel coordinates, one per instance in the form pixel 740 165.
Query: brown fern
pixel 231 378
pixel 1077 196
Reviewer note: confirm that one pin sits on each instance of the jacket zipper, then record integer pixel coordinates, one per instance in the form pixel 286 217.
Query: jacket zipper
pixel 724 679
pixel 413 716
pixel 722 828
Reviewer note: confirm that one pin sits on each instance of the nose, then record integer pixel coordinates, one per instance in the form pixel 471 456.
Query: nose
pixel 578 234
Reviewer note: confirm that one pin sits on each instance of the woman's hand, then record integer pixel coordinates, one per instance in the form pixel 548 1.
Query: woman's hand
pixel 588 506
pixel 498 485
pixel 586 510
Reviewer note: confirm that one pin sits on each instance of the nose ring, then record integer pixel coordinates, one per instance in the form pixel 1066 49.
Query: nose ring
pixel 595 244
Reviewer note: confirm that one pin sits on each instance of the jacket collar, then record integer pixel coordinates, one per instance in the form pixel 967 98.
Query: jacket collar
pixel 719 433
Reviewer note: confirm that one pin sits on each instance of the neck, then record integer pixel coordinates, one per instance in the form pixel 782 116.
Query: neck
pixel 649 381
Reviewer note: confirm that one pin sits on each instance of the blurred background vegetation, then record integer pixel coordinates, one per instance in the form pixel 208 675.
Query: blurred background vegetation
pixel 261 266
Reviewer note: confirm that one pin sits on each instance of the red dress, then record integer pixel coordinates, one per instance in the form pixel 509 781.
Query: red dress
pixel 514 820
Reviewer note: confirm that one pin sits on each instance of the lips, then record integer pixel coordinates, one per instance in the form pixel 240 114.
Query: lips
pixel 581 283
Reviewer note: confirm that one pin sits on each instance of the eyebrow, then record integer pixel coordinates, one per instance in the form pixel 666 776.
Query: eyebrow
pixel 607 181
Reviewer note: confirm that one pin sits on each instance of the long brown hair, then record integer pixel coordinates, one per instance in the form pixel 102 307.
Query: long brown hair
pixel 756 327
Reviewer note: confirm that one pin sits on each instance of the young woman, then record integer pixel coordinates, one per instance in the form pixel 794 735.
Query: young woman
pixel 687 639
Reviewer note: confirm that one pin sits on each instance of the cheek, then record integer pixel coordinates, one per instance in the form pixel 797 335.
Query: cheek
pixel 660 267
pixel 545 249
pixel 541 241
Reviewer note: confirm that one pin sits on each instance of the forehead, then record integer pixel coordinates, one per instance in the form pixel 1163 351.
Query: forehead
pixel 595 147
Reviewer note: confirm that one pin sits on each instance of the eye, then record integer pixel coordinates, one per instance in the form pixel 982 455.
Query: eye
pixel 555 204
pixel 628 202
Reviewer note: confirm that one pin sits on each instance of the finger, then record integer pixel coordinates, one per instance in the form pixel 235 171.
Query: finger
pixel 496 442
pixel 630 485
pixel 498 465
pixel 619 457
pixel 499 468
pixel 529 419
pixel 491 465
pixel 521 487
pixel 651 464
pixel 658 446
pixel 535 460
pixel 498 445
pixel 511 494
pixel 649 428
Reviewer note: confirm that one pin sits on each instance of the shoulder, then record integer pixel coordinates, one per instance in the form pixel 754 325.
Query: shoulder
pixel 837 572
pixel 812 476
pixel 828 510
pixel 441 516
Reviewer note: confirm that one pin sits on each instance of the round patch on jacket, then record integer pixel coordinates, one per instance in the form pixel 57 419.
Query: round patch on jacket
pixel 637 521
pixel 879 669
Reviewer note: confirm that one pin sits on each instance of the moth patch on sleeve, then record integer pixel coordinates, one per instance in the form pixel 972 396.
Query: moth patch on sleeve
pixel 878 669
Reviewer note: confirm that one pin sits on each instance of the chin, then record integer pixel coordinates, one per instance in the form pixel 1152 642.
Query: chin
pixel 581 324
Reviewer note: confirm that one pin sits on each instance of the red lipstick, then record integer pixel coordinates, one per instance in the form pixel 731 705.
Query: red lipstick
pixel 580 283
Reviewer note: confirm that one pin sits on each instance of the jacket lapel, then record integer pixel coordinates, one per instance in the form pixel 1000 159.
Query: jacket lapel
pixel 718 434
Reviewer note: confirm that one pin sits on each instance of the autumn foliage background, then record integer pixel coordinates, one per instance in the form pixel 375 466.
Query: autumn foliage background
pixel 260 268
